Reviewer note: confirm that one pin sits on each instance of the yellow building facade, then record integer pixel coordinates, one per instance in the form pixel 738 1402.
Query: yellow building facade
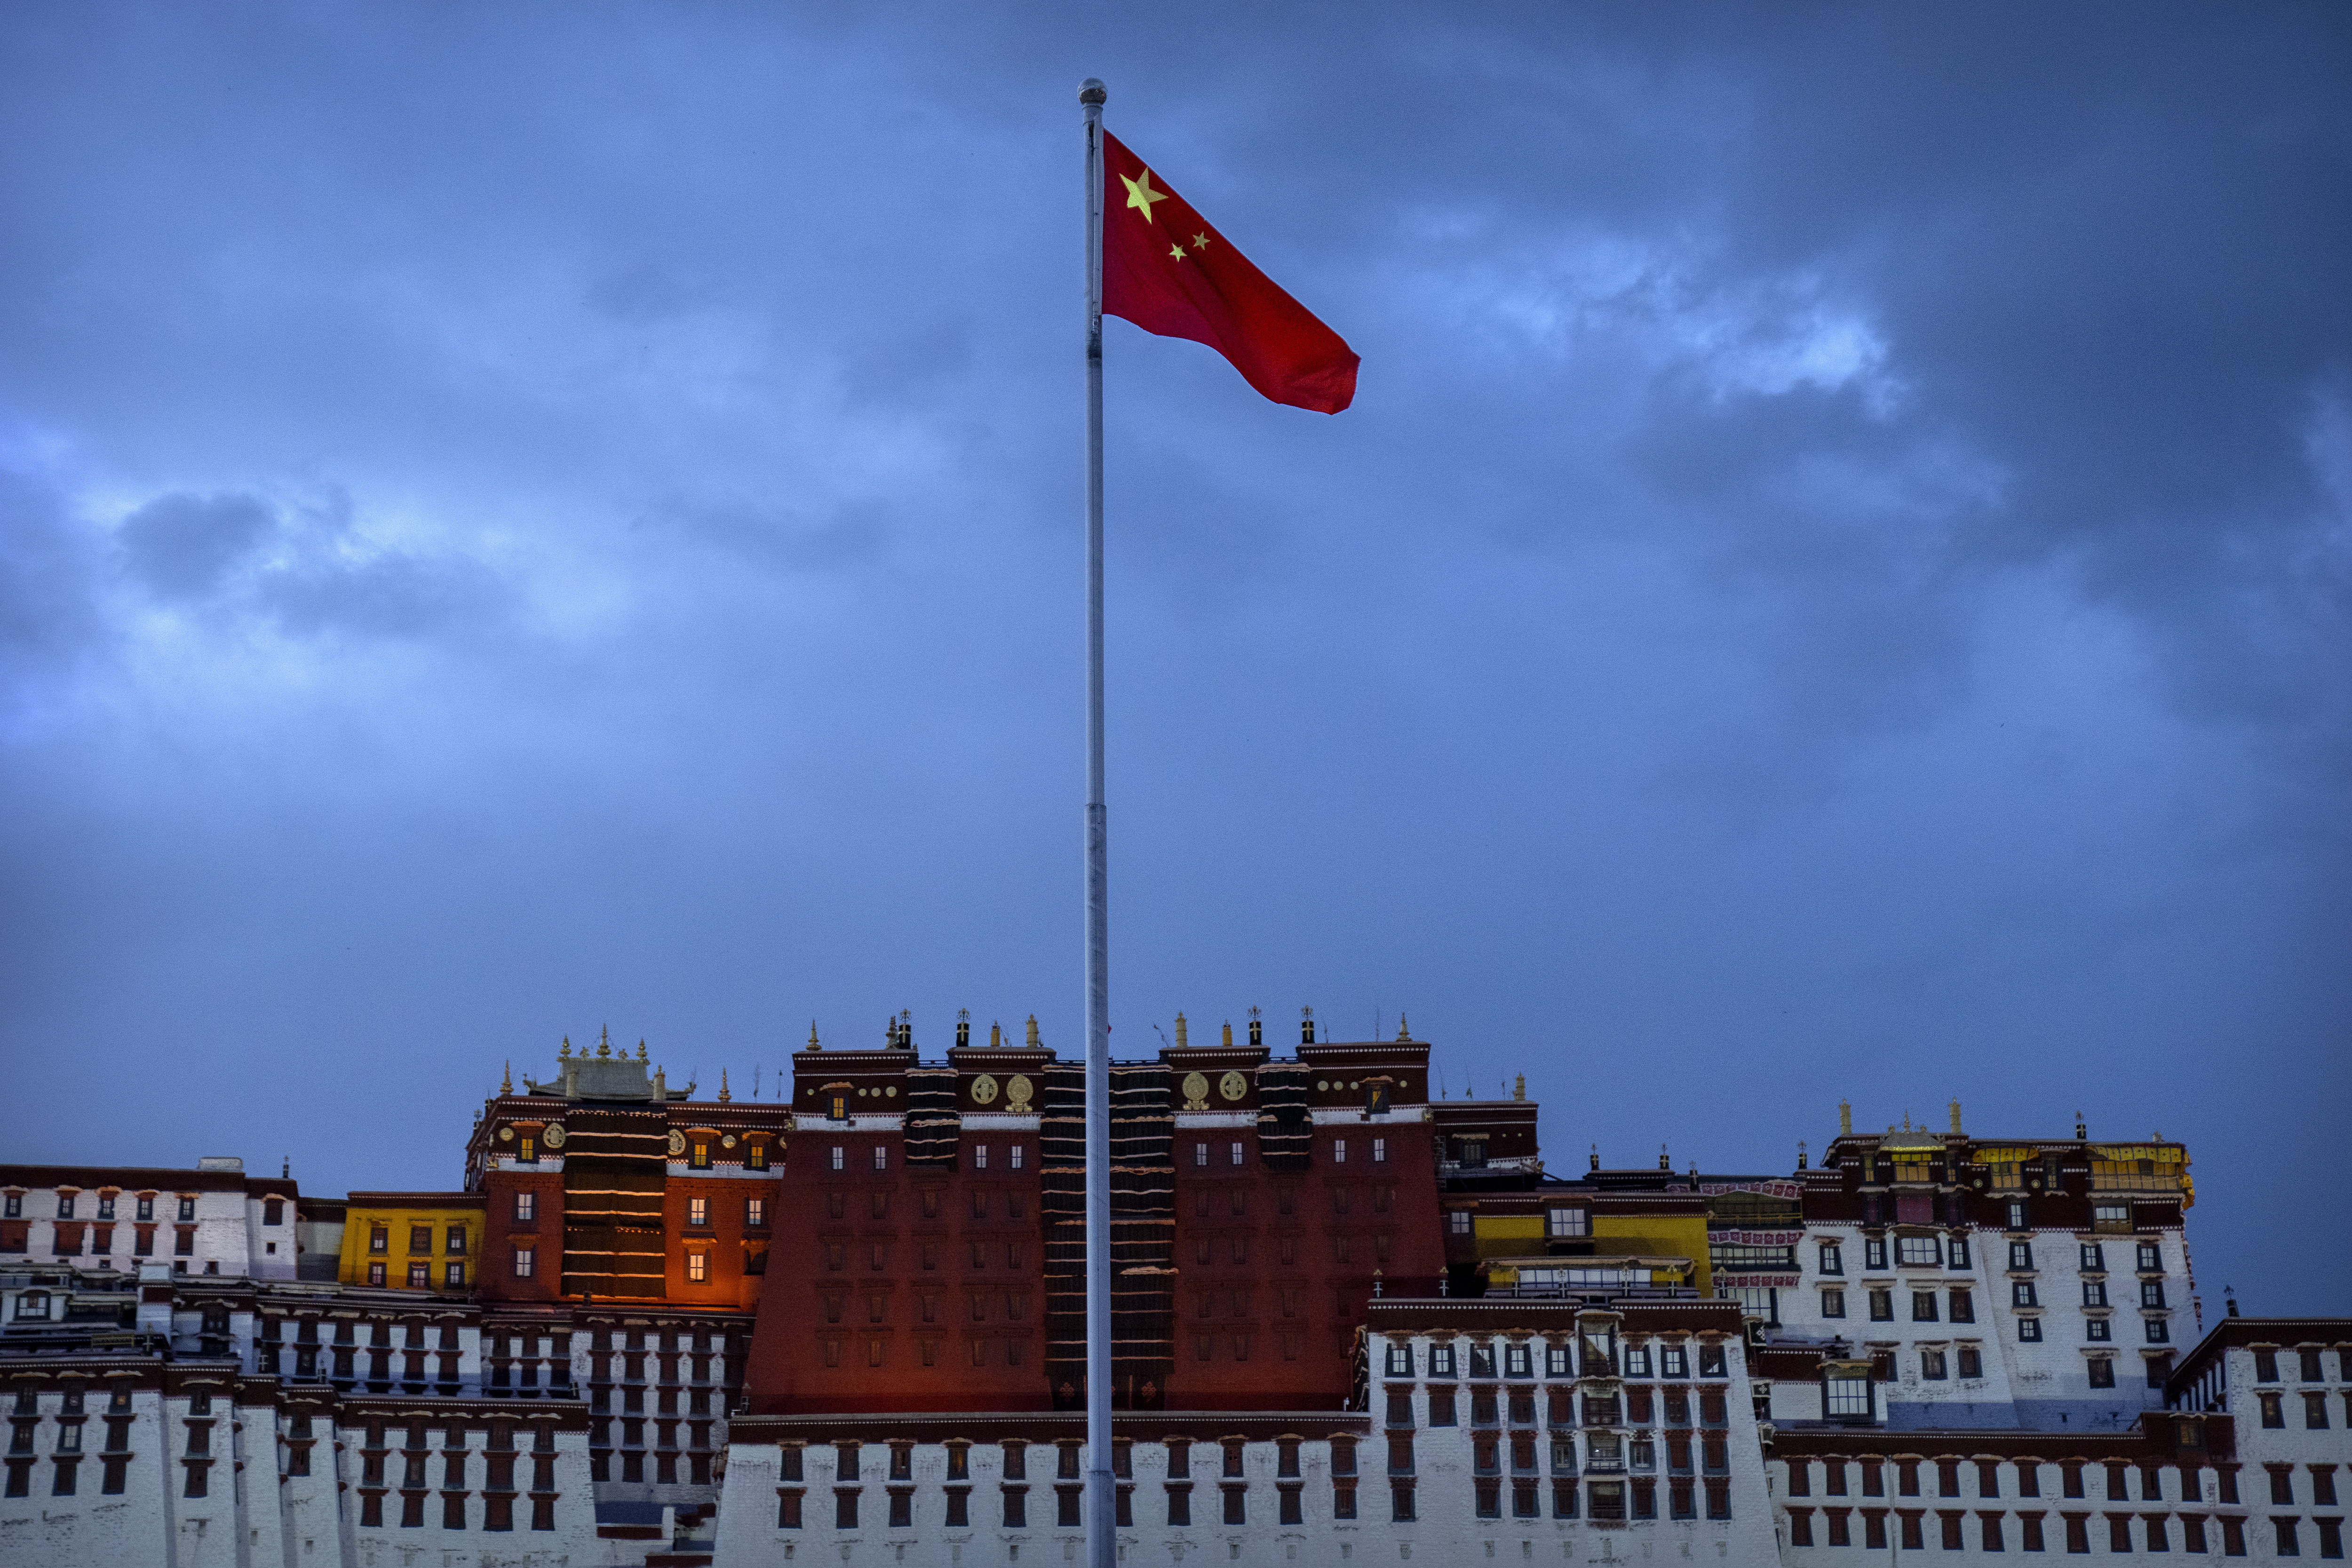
pixel 412 1240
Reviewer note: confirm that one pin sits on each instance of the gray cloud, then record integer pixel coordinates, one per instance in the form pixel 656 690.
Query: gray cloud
pixel 1835 583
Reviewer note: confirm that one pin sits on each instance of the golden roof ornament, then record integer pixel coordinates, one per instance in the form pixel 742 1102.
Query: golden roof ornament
pixel 995 1034
pixel 563 1053
pixel 506 1083
pixel 1846 1118
pixel 1520 1087
pixel 1180 1044
pixel 641 1051
pixel 812 1040
pixel 1229 1034
pixel 1032 1032
pixel 723 1095
pixel 1404 1031
pixel 603 1042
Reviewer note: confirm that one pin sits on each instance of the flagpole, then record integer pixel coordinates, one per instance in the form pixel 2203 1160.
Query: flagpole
pixel 1102 1550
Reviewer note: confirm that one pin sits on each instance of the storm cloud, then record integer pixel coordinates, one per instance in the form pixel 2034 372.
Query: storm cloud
pixel 1835 584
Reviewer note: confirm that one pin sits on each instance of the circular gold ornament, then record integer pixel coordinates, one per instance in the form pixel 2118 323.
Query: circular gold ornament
pixel 983 1089
pixel 554 1136
pixel 676 1142
pixel 1232 1086
pixel 727 1142
pixel 506 1134
pixel 1196 1089
pixel 1018 1092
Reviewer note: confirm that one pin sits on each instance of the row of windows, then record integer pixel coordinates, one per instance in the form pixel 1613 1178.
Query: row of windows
pixel 420 1239
pixel 2310 1365
pixel 273 1210
pixel 420 1275
pixel 2124 1532
pixel 1909 1478
pixel 2315 1410
pixel 1637 1408
pixel 1953 1251
pixel 1600 1360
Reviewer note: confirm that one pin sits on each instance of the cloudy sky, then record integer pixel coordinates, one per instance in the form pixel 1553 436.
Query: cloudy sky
pixel 515 520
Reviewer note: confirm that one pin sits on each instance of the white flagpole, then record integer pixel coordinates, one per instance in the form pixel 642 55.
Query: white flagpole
pixel 1102 1549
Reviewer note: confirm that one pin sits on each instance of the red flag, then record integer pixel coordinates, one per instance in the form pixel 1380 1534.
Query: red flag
pixel 1167 271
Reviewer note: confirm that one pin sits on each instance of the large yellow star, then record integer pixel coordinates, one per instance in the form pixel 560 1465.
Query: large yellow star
pixel 1139 193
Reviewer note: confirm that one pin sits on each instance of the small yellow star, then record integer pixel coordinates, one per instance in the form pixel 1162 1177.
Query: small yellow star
pixel 1200 242
pixel 1139 193
pixel 1177 251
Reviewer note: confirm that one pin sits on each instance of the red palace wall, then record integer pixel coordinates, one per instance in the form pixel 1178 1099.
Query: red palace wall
pixel 902 1290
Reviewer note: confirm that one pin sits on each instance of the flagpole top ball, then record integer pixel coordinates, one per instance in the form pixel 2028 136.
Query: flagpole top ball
pixel 1092 90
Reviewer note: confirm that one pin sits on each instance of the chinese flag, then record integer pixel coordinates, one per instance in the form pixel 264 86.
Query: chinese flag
pixel 1169 271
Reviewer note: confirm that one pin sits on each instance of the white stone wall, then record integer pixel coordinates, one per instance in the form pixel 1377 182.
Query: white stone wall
pixel 2043 1383
pixel 91 1530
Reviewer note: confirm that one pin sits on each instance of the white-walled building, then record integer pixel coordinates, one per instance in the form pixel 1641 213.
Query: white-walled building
pixel 212 1220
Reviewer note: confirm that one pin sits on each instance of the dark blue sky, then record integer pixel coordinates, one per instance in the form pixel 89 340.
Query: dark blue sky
pixel 1835 582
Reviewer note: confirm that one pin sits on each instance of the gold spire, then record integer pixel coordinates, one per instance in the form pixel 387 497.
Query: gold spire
pixel 995 1035
pixel 506 1084
pixel 1956 1118
pixel 812 1040
pixel 603 1042
pixel 1520 1087
pixel 1404 1031
pixel 723 1095
pixel 1179 1032
pixel 564 1054
pixel 1032 1032
pixel 641 1051
pixel 1229 1034
pixel 1846 1118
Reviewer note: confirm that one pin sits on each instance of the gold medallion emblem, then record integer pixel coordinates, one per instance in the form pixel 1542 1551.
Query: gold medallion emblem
pixel 1196 1091
pixel 677 1143
pixel 983 1089
pixel 1232 1086
pixel 554 1136
pixel 1018 1092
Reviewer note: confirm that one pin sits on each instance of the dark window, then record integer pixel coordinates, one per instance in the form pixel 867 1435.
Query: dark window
pixel 2103 1372
pixel 844 1510
pixel 1016 1509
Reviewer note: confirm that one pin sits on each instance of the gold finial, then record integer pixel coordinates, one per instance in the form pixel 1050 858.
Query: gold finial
pixel 564 1054
pixel 506 1084
pixel 723 1095
pixel 814 1044
pixel 641 1051
pixel 603 1042
pixel 1229 1034
pixel 995 1034
pixel 1520 1087
pixel 1404 1031
pixel 1032 1032
pixel 1956 1117
pixel 1845 1119
pixel 1180 1044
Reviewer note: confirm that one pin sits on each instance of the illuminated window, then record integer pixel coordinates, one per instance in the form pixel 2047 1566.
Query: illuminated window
pixel 526 1206
pixel 524 1258
pixel 755 1212
pixel 1567 1222
pixel 697 1211
pixel 755 1155
pixel 698 1267
pixel 1017 1156
pixel 698 1157
pixel 527 1149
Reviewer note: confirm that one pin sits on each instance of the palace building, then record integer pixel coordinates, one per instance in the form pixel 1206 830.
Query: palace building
pixel 1352 1326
